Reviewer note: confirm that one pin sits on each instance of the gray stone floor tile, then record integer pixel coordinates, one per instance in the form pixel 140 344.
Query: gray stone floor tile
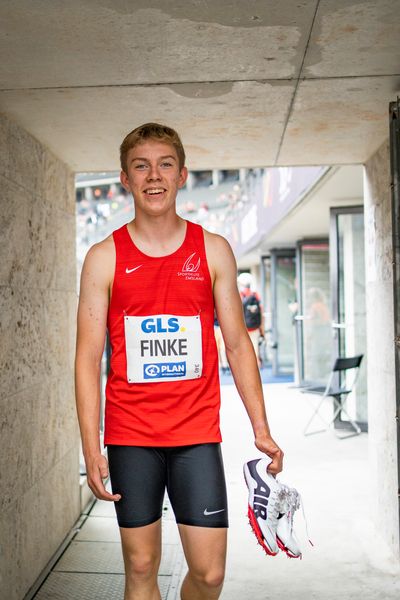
pixel 170 532
pixel 92 557
pixel 106 557
pixel 170 555
pixel 99 529
pixel 103 509
pixel 105 529
pixel 89 586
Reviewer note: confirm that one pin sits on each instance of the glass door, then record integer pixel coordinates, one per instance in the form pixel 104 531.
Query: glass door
pixel 348 299
pixel 313 317
pixel 283 272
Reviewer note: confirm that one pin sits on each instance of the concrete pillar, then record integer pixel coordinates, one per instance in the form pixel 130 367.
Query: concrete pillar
pixel 39 458
pixel 216 177
pixel 380 344
pixel 88 193
pixel 190 181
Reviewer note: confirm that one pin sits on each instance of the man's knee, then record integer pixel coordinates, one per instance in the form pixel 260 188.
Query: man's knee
pixel 211 578
pixel 214 578
pixel 141 565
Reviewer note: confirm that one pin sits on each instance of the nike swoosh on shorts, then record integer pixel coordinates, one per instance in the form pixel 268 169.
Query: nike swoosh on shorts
pixel 212 512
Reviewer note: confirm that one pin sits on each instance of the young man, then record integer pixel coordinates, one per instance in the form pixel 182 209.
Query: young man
pixel 154 283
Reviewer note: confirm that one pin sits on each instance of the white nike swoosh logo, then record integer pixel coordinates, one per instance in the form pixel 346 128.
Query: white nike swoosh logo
pixel 131 270
pixel 212 512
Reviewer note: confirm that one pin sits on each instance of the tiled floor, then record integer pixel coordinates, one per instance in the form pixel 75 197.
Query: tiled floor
pixel 91 568
pixel 348 559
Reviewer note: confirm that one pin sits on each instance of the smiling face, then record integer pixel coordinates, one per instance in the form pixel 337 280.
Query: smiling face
pixel 153 177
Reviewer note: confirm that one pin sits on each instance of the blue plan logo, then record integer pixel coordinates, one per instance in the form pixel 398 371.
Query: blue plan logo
pixel 164 370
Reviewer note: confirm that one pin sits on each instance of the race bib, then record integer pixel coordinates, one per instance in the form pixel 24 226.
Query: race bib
pixel 163 348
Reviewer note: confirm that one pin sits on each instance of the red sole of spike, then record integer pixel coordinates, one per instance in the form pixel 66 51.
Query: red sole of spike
pixel 284 549
pixel 257 532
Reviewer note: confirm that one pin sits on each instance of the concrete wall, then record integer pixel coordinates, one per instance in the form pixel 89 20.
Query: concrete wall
pixel 39 473
pixel 380 343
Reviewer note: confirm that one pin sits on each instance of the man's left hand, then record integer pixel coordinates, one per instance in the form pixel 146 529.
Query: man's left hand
pixel 271 449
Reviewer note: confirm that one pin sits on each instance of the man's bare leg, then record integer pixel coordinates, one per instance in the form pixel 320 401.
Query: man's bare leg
pixel 205 552
pixel 141 548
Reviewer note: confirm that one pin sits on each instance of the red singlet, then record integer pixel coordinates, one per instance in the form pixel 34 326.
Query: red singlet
pixel 163 384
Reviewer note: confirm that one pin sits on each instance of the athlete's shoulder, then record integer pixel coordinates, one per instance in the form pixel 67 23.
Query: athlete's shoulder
pixel 100 259
pixel 219 254
pixel 216 243
pixel 101 250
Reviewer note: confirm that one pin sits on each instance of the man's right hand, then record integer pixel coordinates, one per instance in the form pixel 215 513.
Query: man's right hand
pixel 97 470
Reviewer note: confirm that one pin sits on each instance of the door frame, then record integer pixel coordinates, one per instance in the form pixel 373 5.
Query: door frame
pixel 394 150
pixel 334 261
pixel 335 211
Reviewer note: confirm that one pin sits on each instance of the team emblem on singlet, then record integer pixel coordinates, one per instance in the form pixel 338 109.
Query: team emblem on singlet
pixel 190 268
pixel 163 348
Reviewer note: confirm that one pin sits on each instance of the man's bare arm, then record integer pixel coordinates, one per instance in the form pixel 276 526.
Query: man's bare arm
pixel 239 349
pixel 96 276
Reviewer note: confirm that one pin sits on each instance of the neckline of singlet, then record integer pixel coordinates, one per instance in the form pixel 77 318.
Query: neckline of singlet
pixel 147 256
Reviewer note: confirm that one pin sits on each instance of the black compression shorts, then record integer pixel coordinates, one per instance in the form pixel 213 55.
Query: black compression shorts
pixel 193 476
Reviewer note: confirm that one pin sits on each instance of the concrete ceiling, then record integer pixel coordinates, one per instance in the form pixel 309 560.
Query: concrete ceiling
pixel 255 83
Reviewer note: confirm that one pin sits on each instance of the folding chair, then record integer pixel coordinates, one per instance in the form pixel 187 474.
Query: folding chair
pixel 338 392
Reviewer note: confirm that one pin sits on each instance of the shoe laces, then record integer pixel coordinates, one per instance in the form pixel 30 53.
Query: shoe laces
pixel 274 505
pixel 289 501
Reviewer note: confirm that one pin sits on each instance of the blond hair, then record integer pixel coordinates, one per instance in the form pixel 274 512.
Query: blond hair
pixel 151 131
